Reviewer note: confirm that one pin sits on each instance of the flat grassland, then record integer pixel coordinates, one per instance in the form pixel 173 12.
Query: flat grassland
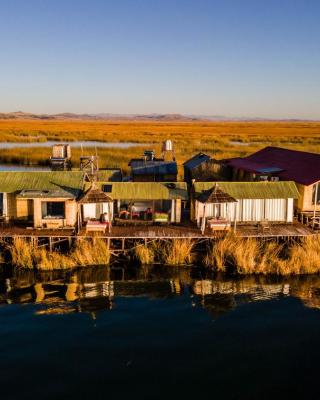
pixel 218 139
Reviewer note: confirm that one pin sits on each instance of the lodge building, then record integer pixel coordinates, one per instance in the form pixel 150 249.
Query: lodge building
pixel 267 186
pixel 275 163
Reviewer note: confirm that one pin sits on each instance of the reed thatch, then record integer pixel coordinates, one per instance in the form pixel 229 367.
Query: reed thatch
pixel 215 196
pixel 95 195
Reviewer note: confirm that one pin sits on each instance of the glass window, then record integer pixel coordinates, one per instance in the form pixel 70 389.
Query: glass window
pixel 53 209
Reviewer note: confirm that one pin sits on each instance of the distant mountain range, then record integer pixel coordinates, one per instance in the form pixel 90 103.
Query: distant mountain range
pixel 142 117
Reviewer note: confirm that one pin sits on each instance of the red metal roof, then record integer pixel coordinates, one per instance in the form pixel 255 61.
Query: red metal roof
pixel 299 166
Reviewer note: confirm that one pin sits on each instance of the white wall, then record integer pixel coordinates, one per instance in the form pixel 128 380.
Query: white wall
pixel 94 210
pixel 249 210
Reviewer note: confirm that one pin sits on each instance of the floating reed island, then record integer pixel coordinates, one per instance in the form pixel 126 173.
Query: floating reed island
pixel 254 215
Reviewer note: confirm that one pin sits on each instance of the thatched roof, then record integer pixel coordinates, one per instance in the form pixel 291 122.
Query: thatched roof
pixel 216 196
pixel 95 195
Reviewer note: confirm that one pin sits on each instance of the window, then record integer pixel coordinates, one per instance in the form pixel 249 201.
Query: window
pixel 53 209
pixel 314 190
pixel 107 188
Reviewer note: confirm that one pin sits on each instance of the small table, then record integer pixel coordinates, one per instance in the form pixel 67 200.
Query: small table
pixel 219 224
pixel 96 226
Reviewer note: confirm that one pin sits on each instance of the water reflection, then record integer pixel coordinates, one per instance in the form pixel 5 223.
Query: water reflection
pixel 94 290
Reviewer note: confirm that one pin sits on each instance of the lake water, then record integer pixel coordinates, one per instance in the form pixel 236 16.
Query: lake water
pixel 13 167
pixel 157 333
pixel 85 144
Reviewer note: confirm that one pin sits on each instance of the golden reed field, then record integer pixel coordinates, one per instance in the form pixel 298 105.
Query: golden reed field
pixel 219 139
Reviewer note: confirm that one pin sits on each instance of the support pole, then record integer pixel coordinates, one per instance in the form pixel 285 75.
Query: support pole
pixel 315 204
pixel 203 224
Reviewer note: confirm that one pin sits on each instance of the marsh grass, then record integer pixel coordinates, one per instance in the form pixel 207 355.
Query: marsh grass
pixel 243 256
pixel 176 252
pixel 145 254
pixel 51 260
pixel 303 258
pixel 218 139
pixel 95 252
pixel 24 254
pixel 251 256
pixel 218 253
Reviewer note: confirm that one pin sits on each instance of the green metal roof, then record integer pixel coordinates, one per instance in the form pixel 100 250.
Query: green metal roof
pixel 145 190
pixel 252 190
pixel 60 183
pixel 110 175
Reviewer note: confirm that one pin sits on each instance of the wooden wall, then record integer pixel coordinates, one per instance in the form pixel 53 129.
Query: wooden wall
pixel 70 213
pixel 304 203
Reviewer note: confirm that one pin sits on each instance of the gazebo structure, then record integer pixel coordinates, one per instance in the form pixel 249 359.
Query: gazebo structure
pixel 214 203
pixel 95 209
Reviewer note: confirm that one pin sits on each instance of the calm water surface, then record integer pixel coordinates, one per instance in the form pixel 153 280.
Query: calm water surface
pixel 85 144
pixel 157 333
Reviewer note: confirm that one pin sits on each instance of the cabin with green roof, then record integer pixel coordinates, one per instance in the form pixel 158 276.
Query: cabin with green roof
pixel 43 199
pixel 146 201
pixel 244 202
pixel 60 199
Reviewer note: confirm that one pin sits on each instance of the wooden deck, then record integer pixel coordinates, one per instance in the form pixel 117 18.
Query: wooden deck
pixel 282 230
pixel 275 231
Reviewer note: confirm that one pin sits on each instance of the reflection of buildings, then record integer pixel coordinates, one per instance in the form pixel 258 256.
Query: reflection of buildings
pixel 257 291
pixel 93 290
pixel 86 291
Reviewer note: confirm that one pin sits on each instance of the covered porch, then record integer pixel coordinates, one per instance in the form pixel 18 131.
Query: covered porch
pixel 212 210
pixel 147 211
pixel 95 211
pixel 146 203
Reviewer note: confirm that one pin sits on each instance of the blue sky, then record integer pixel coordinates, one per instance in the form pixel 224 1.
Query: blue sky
pixel 228 57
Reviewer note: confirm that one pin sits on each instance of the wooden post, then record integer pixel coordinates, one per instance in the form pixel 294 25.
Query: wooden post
pixel 153 210
pixel 203 224
pixel 79 218
pixel 315 204
pixel 172 219
pixel 109 216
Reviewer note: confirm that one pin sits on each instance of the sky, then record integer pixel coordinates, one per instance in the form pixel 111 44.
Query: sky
pixel 234 58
